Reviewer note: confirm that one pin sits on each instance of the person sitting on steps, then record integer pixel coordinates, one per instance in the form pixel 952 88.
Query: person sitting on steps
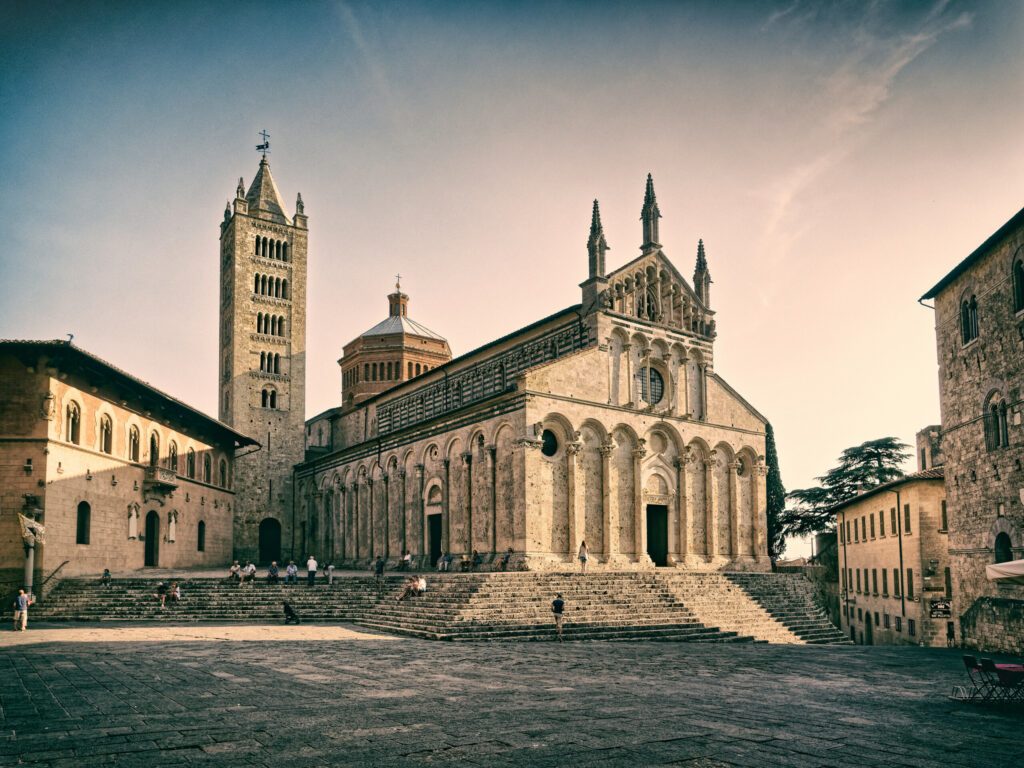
pixel 290 616
pixel 506 558
pixel 235 572
pixel 409 589
pixel 105 578
pixel 273 573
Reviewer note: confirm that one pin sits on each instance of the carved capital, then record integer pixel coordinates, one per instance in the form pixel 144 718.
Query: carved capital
pixel 401 473
pixel 467 457
pixel 419 470
pixel 606 449
pixel 446 462
pixel 492 450
pixel 639 452
pixel 573 448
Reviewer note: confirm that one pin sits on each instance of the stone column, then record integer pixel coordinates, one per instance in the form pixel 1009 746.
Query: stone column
pixel 734 509
pixel 467 495
pixel 682 501
pixel 711 498
pixel 626 350
pixel 403 505
pixel 371 532
pixel 573 499
pixel 343 522
pixel 357 485
pixel 607 531
pixel 684 385
pixel 492 475
pixel 704 392
pixel 446 512
pixel 639 527
pixel 609 342
pixel 386 477
pixel 757 494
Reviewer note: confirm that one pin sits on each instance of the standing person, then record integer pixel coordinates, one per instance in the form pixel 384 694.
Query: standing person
pixel 311 568
pixel 291 573
pixel 329 573
pixel 21 604
pixel 442 563
pixel 505 559
pixel 477 561
pixel 273 573
pixel 378 573
pixel 584 556
pixel 558 608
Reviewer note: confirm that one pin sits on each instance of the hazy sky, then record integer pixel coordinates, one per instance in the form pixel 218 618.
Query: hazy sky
pixel 837 159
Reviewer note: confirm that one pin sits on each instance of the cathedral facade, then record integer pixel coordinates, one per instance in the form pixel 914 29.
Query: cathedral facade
pixel 604 422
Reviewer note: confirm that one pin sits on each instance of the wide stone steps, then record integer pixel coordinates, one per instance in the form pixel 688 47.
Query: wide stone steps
pixel 789 600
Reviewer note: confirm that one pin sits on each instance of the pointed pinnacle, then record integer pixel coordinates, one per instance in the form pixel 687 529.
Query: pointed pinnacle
pixel 702 262
pixel 649 192
pixel 595 221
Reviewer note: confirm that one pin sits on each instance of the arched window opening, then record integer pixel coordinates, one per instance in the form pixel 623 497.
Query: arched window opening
pixel 997 432
pixel 366 372
pixel 277 288
pixel 264 399
pixel 410 371
pixel 284 288
pixel 273 399
pixel 73 423
pixel 154 449
pixel 223 467
pixel 257 251
pixel 106 434
pixel 133 443
pixel 201 537
pixel 1003 548
pixel 417 369
pixel 259 322
pixel 284 252
pixel 390 371
pixel 263 285
pixel 256 285
pixel 969 319
pixel 1018 285
pixel 373 372
pixel 273 325
pixel 172 456
pixel 207 468
pixel 277 363
pixel 84 523
pixel 280 326
pixel 190 463
pixel 264 254
pixel 263 361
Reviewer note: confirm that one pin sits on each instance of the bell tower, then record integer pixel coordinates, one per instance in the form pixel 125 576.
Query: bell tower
pixel 262 382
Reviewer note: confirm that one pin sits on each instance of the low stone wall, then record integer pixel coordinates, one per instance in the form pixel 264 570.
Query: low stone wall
pixel 994 624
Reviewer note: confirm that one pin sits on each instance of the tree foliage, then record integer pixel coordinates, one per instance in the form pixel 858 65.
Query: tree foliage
pixel 861 467
pixel 776 497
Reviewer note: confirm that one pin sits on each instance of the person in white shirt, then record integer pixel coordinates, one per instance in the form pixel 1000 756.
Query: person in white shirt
pixel 421 585
pixel 291 573
pixel 311 566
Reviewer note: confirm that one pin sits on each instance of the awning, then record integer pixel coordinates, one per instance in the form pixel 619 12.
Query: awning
pixel 1011 572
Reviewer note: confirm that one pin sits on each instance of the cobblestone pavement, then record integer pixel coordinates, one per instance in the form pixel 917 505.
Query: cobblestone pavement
pixel 368 702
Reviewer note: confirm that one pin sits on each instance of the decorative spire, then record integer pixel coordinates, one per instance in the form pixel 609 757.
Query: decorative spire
pixel 227 211
pixel 240 190
pixel 702 276
pixel 300 207
pixel 649 215
pixel 398 302
pixel 596 244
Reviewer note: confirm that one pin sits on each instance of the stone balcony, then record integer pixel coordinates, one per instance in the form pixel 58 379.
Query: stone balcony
pixel 160 479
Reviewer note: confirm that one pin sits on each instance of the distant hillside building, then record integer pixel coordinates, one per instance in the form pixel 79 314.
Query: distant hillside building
pixel 979 328
pixel 603 422
pixel 118 474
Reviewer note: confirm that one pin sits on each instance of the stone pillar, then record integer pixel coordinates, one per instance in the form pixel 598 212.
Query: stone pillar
pixel 757 496
pixel 608 540
pixel 492 476
pixel 711 499
pixel 682 512
pixel 386 477
pixel 403 507
pixel 446 512
pixel 626 351
pixel 357 485
pixel 573 499
pixel 420 509
pixel 639 526
pixel 343 522
pixel 609 342
pixel 684 385
pixel 734 509
pixel 371 531
pixel 704 392
pixel 467 495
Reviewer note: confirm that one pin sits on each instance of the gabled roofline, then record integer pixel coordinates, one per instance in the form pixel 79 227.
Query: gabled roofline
pixel 935 473
pixel 993 240
pixel 671 266
pixel 739 397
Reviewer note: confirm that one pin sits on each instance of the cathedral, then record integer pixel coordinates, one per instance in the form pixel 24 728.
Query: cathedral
pixel 603 422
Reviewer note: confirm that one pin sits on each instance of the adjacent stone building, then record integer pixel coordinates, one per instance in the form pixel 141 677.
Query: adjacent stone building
pixel 118 474
pixel 894 576
pixel 262 382
pixel 603 422
pixel 979 329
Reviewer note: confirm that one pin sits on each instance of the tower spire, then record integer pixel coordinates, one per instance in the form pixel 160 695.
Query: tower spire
pixel 649 215
pixel 596 244
pixel 702 276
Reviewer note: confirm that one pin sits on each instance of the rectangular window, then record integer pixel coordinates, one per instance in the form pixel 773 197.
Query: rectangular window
pixel 848 531
pixel 924 460
pixel 860 614
pixel 892 519
pixel 906 518
pixel 885 621
pixel 844 581
pixel 864 529
pixel 877 622
pixel 881 522
pixel 949 583
pixel 895 582
pixel 856 531
pixel 911 627
pixel 945 519
pixel 885 583
pixel 899 623
pixel 910 583
pixel 874 580
pixel 858 579
pixel 842 534
pixel 849 577
pixel 872 526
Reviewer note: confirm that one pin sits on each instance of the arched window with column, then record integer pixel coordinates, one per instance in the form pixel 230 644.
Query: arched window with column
pixel 154 449
pixel 259 322
pixel 969 319
pixel 277 362
pixel 273 399
pixel 207 468
pixel 284 252
pixel 73 423
pixel 133 443
pixel 106 441
pixel 997 432
pixel 172 456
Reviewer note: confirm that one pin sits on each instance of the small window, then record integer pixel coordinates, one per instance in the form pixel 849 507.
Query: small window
pixel 223 466
pixel 273 399
pixel 106 434
pixel 948 579
pixel 842 534
pixel 885 621
pixel 895 582
pixel 876 618
pixel 154 449
pixel 190 464
pixel 549 443
pixel 874 580
pixel 885 583
pixel 906 519
pixel 881 522
pixel 864 528
pixel 872 526
pixel 911 627
pixel 1003 548
pixel 201 537
pixel 172 456
pixel 910 583
pixel 133 443
pixel 898 620
pixel 858 580
pixel 650 385
pixel 969 319
pixel 945 517
pixel 84 522
pixel 72 423
pixel 410 370
pixel 207 468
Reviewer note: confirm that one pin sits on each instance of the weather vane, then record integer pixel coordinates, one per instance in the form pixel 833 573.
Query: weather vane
pixel 265 146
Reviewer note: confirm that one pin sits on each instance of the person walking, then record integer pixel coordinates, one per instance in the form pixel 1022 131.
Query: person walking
pixel 558 609
pixel 21 604
pixel 291 573
pixel 329 574
pixel 584 555
pixel 378 573
pixel 311 568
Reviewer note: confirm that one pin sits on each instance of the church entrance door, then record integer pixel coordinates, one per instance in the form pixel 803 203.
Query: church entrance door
pixel 152 538
pixel 869 638
pixel 657 533
pixel 270 541
pixel 434 537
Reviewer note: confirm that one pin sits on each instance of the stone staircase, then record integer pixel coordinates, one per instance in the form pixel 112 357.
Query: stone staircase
pixel 649 605
pixel 789 599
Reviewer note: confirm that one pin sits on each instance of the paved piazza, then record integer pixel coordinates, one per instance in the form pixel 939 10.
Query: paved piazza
pixel 249 696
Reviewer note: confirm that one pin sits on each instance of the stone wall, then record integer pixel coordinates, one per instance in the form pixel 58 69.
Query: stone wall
pixel 994 623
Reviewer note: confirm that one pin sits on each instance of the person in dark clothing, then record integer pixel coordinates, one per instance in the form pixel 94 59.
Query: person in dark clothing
pixel 505 559
pixel 378 572
pixel 558 609
pixel 290 616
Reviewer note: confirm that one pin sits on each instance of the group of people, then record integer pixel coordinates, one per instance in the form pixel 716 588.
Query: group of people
pixel 415 586
pixel 165 592
pixel 243 574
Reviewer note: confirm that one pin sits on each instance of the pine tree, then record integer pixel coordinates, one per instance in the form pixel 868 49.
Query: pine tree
pixel 776 497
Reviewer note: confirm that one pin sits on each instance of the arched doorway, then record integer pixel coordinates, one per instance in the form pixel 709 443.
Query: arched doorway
pixel 869 632
pixel 152 538
pixel 657 533
pixel 1003 548
pixel 270 541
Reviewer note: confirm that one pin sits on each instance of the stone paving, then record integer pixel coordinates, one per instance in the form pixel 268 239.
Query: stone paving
pixel 216 696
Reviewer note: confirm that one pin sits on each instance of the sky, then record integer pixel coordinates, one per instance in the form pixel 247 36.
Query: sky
pixel 837 159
